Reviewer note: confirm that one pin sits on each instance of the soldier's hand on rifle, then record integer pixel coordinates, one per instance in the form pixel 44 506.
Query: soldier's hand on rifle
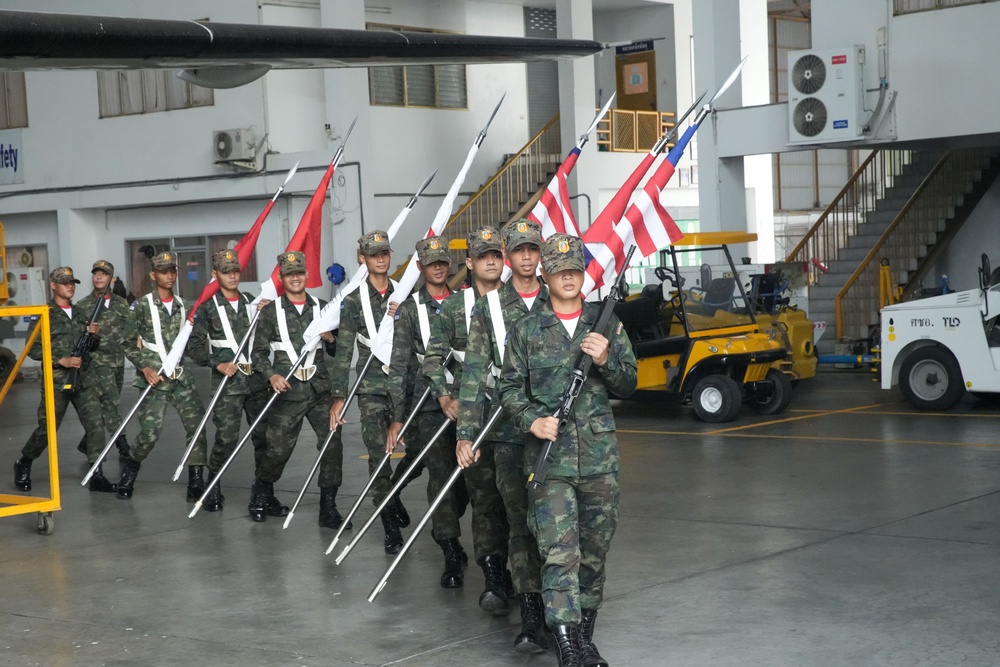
pixel 336 418
pixel 279 384
pixel 392 437
pixel 463 452
pixel 545 428
pixel 94 329
pixel 392 308
pixel 596 346
pixel 449 406
pixel 227 368
pixel 152 377
pixel 70 362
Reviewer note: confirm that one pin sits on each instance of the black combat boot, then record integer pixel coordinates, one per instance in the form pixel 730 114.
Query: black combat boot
pixel 214 499
pixel 82 445
pixel 130 470
pixel 123 449
pixel 393 538
pixel 588 651
pixel 532 637
pixel 100 483
pixel 329 516
pixel 196 483
pixel 258 501
pixel 452 576
pixel 399 512
pixel 494 597
pixel 273 506
pixel 567 645
pixel 22 474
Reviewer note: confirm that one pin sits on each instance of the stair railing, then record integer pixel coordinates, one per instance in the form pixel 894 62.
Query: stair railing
pixel 839 221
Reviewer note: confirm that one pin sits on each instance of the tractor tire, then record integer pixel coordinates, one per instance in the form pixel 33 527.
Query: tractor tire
pixel 931 379
pixel 717 398
pixel 774 396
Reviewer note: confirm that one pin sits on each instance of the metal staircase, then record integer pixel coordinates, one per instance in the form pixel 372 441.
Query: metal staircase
pixel 900 207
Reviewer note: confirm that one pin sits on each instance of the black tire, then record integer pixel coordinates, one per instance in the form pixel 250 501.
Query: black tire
pixel 773 394
pixel 931 379
pixel 716 398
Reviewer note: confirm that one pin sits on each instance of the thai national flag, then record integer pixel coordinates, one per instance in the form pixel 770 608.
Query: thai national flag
pixel 553 211
pixel 646 224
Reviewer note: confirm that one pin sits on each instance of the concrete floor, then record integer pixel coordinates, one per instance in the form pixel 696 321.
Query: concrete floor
pixel 849 530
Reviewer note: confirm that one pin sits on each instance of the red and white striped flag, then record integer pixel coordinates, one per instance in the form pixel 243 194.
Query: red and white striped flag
pixel 553 210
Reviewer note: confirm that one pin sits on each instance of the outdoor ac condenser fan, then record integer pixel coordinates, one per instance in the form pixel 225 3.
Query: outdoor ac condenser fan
pixel 223 145
pixel 809 117
pixel 808 74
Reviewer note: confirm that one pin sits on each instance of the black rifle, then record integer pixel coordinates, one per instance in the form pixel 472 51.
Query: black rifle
pixel 581 369
pixel 85 343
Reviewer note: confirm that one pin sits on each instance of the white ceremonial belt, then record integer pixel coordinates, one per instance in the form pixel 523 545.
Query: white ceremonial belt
pixel 367 342
pixel 420 358
pixel 458 355
pixel 152 347
pixel 304 373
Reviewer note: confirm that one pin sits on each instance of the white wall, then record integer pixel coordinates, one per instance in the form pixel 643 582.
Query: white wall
pixel 979 234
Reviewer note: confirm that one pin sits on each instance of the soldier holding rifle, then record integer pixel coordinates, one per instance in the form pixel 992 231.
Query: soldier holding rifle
pixel 66 326
pixel 574 513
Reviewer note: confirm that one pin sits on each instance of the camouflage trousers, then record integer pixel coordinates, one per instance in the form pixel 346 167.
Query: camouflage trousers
pixel 376 415
pixel 525 562
pixel 87 405
pixel 228 417
pixel 107 382
pixel 574 519
pixel 441 463
pixel 490 533
pixel 185 399
pixel 284 422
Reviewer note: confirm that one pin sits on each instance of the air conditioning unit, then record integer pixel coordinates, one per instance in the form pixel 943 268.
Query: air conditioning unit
pixel 238 145
pixel 825 96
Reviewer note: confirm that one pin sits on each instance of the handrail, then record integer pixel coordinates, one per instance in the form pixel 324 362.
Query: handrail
pixel 899 217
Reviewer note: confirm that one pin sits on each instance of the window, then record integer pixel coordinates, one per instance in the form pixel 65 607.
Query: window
pixel 13 101
pixel 434 86
pixel 194 262
pixel 128 92
pixel 910 6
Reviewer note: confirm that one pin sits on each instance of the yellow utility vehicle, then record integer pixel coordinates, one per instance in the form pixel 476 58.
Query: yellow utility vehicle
pixel 705 346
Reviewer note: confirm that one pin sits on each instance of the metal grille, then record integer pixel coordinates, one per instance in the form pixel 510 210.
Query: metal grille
pixel 539 22
pixel 623 126
pixel 647 129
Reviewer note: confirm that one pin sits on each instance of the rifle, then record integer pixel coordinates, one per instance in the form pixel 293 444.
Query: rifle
pixel 581 369
pixel 85 342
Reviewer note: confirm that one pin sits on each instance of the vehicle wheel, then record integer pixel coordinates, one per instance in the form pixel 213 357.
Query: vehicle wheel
pixel 773 394
pixel 931 379
pixel 46 525
pixel 716 398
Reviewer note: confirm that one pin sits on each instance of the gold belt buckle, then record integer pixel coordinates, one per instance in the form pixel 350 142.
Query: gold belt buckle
pixel 246 369
pixel 305 373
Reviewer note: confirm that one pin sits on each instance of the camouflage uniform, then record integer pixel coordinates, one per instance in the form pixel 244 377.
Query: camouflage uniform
pixel 106 370
pixel 575 513
pixel 64 334
pixel 178 391
pixel 505 439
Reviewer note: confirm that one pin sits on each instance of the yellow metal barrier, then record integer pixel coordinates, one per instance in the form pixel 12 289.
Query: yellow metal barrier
pixel 11 504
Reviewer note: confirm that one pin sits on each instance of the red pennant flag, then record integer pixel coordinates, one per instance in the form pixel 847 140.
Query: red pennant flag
pixel 308 235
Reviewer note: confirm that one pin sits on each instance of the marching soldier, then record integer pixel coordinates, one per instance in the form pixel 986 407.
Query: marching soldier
pixel 218 329
pixel 306 395
pixel 66 327
pixel 493 315
pixel 484 261
pixel 152 326
pixel 412 331
pixel 575 513
pixel 361 311
pixel 106 370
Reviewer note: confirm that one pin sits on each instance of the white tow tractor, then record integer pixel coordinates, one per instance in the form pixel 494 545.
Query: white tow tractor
pixel 938 348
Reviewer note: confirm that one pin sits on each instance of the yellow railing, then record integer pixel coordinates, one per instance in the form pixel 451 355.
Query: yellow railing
pixel 906 239
pixel 623 130
pixel 839 222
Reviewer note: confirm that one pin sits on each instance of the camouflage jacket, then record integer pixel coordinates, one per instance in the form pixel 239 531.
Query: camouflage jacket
pixel 140 325
pixel 112 319
pixel 64 332
pixel 208 328
pixel 482 351
pixel 406 381
pixel 448 332
pixel 536 371
pixel 268 333
pixel 352 327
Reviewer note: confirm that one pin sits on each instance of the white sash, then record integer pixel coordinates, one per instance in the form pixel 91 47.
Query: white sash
pixel 424 322
pixel 307 369
pixel 157 344
pixel 366 310
pixel 496 316
pixel 230 341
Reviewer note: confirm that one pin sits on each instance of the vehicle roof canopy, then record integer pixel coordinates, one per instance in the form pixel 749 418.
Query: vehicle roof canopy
pixel 715 238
